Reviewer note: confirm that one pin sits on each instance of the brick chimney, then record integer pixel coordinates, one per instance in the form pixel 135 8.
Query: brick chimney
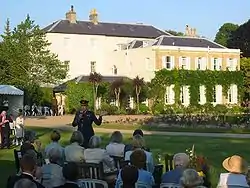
pixel 71 15
pixel 187 30
pixel 93 16
pixel 190 32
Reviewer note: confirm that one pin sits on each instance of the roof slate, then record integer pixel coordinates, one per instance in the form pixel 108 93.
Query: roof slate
pixel 186 42
pixel 82 79
pixel 107 29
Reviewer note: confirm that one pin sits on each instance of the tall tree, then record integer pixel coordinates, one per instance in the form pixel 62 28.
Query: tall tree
pixel 225 33
pixel 116 88
pixel 241 39
pixel 175 33
pixel 138 83
pixel 96 80
pixel 27 59
pixel 245 68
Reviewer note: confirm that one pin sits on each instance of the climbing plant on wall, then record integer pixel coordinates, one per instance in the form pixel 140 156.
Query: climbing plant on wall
pixel 196 78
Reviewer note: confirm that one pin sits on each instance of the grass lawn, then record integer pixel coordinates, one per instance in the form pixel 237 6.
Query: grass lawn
pixel 175 129
pixel 215 149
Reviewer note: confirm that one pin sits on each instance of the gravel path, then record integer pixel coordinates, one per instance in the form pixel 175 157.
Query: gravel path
pixel 64 123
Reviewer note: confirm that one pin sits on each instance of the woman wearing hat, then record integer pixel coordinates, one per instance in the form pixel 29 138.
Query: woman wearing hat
pixel 84 119
pixel 237 170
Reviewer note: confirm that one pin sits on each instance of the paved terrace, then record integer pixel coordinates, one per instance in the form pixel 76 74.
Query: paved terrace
pixel 64 122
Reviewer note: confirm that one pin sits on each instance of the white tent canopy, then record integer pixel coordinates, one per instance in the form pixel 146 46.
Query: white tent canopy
pixel 12 97
pixel 10 90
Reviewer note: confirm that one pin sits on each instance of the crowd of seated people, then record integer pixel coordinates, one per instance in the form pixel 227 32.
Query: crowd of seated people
pixel 57 166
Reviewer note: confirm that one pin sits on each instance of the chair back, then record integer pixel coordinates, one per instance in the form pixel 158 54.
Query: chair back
pixel 90 170
pixel 92 183
pixel 17 156
pixel 158 171
pixel 138 185
pixel 119 162
pixel 169 185
pixel 169 162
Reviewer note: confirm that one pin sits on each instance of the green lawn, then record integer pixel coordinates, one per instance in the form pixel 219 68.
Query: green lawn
pixel 175 129
pixel 215 149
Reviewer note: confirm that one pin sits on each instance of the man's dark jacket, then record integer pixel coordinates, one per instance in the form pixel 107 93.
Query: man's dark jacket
pixel 13 179
pixel 84 121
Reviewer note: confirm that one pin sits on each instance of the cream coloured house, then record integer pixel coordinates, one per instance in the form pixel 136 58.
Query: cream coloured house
pixel 189 52
pixel 87 45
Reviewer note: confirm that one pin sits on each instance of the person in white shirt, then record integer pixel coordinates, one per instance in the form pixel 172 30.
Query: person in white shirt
pixel 116 147
pixel 19 127
pixel 237 170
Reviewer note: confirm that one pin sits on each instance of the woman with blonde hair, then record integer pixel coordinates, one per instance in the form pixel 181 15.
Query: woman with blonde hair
pixel 138 143
pixel 116 147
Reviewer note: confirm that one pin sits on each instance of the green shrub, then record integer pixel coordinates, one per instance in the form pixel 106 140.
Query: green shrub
pixel 110 109
pixel 158 108
pixel 143 108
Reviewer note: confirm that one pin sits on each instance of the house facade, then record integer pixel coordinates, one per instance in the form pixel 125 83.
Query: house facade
pixel 87 45
pixel 189 53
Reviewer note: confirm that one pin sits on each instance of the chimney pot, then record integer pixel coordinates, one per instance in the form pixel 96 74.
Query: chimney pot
pixel 93 16
pixel 71 15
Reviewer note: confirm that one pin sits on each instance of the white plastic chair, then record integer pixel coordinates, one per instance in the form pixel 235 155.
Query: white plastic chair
pixel 139 185
pixel 91 183
pixel 169 185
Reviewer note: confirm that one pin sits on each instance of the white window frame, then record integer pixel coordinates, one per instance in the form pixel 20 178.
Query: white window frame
pixel 165 63
pixel 184 95
pixel 169 95
pixel 114 70
pixel 149 64
pixel 216 64
pixel 232 64
pixel 199 63
pixel 214 95
pixel 233 92
pixel 202 95
pixel 184 65
pixel 66 41
pixel 92 66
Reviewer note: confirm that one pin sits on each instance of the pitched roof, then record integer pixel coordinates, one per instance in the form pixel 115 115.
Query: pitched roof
pixel 107 29
pixel 82 79
pixel 184 41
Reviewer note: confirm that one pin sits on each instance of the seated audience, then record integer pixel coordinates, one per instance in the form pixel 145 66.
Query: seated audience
pixel 70 173
pixel 25 183
pixel 116 147
pixel 129 147
pixel 181 161
pixel 52 173
pixel 138 143
pixel 138 159
pixel 55 137
pixel 191 179
pixel 237 170
pixel 29 144
pixel 129 176
pixel 75 152
pixel 95 154
pixel 28 167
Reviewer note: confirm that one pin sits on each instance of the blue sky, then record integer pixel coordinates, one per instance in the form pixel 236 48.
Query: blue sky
pixel 206 16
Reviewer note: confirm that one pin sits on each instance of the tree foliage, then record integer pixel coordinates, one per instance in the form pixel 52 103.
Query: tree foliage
pixel 225 33
pixel 96 80
pixel 195 78
pixel 241 39
pixel 25 59
pixel 138 83
pixel 245 68
pixel 116 89
pixel 175 33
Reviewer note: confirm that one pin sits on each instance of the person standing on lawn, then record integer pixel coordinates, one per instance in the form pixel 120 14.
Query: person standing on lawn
pixel 84 119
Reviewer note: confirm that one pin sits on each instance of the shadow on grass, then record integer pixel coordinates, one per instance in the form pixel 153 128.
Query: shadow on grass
pixel 7 168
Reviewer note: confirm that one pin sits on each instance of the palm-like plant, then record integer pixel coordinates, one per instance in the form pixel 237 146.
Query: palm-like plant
pixel 138 83
pixel 95 79
pixel 116 88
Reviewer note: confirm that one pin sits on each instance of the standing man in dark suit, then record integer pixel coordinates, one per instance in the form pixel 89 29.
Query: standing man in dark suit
pixel 84 119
